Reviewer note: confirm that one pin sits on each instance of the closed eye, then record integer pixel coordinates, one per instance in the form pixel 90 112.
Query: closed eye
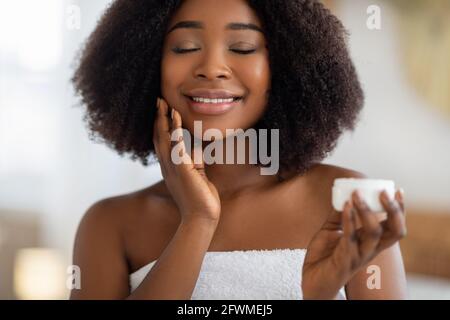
pixel 243 51
pixel 180 50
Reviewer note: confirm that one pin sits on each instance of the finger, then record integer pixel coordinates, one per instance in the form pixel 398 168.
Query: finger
pixel 163 127
pixel 176 129
pixel 156 140
pixel 348 223
pixel 178 142
pixel 371 231
pixel 334 220
pixel 155 129
pixel 354 217
pixel 155 123
pixel 163 124
pixel 347 250
pixel 197 156
pixel 155 126
pixel 399 196
pixel 395 225
pixel 162 137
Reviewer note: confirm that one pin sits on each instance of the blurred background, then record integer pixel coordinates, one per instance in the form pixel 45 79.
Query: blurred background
pixel 50 172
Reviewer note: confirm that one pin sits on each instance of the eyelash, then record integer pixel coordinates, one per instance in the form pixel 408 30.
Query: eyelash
pixel 243 51
pixel 183 51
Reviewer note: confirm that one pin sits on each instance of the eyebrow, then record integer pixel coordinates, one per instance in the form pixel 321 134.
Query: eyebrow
pixel 200 25
pixel 243 26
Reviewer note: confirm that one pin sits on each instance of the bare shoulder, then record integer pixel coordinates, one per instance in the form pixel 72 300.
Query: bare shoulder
pixel 317 183
pixel 127 221
pixel 334 172
pixel 102 242
pixel 322 176
pixel 113 212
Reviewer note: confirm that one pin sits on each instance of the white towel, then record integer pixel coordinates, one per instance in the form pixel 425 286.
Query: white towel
pixel 245 275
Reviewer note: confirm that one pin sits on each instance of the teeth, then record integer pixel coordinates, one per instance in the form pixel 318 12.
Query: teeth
pixel 207 100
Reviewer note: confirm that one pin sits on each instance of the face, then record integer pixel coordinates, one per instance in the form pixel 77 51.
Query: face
pixel 215 65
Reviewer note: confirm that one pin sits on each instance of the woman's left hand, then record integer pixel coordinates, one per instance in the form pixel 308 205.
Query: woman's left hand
pixel 339 249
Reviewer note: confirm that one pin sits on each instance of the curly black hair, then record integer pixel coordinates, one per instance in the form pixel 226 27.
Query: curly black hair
pixel 315 92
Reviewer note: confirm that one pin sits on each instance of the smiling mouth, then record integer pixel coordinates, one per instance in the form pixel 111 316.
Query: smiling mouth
pixel 213 101
pixel 213 106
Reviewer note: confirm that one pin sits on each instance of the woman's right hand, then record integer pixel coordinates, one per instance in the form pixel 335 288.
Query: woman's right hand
pixel 196 197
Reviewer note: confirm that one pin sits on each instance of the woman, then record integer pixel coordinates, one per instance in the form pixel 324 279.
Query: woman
pixel 220 231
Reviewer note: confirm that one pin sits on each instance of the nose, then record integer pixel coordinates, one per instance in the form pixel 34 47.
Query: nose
pixel 213 66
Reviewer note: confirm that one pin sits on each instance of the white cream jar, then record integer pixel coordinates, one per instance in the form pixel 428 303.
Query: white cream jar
pixel 369 189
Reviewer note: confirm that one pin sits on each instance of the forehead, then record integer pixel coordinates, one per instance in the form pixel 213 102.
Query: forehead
pixel 216 13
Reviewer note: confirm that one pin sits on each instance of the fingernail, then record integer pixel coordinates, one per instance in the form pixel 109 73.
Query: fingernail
pixel 387 196
pixel 348 204
pixel 171 113
pixel 352 212
pixel 358 196
pixel 345 205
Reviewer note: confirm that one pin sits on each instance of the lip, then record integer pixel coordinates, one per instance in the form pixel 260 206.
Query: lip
pixel 212 93
pixel 212 108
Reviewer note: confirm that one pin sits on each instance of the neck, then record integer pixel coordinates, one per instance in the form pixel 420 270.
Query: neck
pixel 233 178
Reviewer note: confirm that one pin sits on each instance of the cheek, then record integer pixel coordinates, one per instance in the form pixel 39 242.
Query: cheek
pixel 256 76
pixel 173 73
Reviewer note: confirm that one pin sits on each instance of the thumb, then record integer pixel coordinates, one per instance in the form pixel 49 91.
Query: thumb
pixel 334 220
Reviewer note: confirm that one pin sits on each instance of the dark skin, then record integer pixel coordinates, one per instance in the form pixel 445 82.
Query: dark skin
pixel 199 208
